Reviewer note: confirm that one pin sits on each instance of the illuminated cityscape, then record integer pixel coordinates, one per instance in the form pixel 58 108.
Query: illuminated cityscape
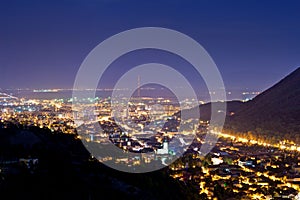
pixel 149 100
pixel 236 165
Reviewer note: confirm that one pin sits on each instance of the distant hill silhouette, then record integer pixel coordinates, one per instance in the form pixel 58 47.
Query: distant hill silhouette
pixel 274 113
pixel 205 109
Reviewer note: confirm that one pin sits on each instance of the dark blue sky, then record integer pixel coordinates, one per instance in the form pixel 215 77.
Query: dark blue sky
pixel 42 43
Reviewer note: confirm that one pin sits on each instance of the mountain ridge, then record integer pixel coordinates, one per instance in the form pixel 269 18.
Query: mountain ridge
pixel 275 111
pixel 271 116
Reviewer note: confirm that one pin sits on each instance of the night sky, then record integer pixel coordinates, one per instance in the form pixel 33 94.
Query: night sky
pixel 43 43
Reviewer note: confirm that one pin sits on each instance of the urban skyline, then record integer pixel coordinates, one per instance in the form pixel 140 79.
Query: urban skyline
pixel 172 99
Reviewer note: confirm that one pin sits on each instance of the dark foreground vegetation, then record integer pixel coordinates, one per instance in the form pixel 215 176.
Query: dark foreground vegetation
pixel 43 165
